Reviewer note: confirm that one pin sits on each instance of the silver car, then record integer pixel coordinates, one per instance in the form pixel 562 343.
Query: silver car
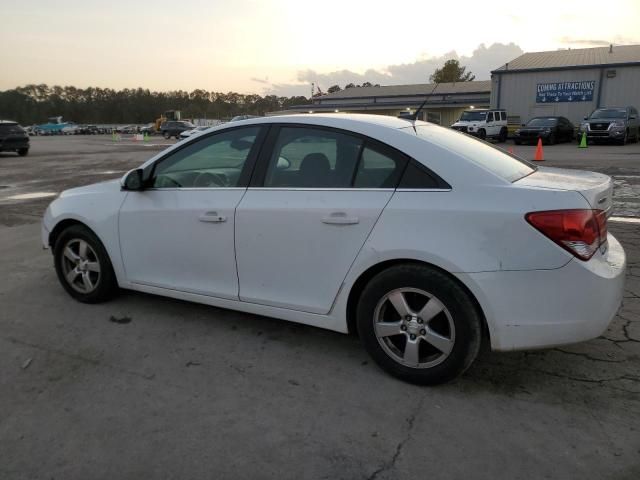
pixel 618 124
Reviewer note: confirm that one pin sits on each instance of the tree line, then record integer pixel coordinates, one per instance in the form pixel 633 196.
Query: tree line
pixel 34 104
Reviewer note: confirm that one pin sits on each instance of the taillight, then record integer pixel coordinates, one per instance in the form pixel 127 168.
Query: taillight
pixel 580 232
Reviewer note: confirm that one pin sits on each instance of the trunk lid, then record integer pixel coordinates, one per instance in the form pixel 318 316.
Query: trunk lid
pixel 596 188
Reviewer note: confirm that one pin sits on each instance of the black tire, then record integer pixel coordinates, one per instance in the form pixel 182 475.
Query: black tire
pixel 23 152
pixel 503 135
pixel 517 142
pixel 166 135
pixel 623 140
pixel 460 316
pixel 482 134
pixel 106 285
pixel 552 139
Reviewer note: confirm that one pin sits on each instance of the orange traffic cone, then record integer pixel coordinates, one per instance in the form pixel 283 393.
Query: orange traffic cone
pixel 539 155
pixel 510 150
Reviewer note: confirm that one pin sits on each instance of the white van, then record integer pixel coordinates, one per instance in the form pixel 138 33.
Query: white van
pixel 483 123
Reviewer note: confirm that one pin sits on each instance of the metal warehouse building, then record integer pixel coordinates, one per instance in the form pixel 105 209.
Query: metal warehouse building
pixel 445 102
pixel 570 83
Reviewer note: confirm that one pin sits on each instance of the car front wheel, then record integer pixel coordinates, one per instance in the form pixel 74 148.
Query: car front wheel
pixel 23 152
pixel 419 324
pixel 167 135
pixel 83 266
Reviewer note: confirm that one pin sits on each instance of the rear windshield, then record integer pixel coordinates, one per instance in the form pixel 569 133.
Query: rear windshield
pixel 10 128
pixel 542 122
pixel 494 159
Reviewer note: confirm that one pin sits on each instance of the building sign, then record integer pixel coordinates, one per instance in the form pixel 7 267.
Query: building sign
pixel 565 92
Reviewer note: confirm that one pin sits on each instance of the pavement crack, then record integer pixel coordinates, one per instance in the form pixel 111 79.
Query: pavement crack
pixel 587 356
pixel 392 462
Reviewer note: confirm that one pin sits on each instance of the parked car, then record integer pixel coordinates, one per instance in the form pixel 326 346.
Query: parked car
pixel 71 129
pixel 193 131
pixel 173 128
pixel 149 129
pixel 243 117
pixel 422 240
pixel 618 124
pixel 549 129
pixel 483 124
pixel 13 138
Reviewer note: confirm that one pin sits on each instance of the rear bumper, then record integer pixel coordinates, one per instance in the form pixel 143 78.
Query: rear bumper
pixel 13 144
pixel 545 308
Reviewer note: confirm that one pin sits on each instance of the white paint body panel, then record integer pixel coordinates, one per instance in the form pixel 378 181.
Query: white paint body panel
pixel 164 243
pixel 289 256
pixel 292 266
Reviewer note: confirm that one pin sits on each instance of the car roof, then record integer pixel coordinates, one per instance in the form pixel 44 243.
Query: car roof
pixel 344 120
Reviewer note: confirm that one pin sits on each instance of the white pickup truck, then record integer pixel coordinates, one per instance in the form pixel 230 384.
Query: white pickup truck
pixel 483 123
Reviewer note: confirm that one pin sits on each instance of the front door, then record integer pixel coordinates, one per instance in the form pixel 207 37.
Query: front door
pixel 179 233
pixel 300 229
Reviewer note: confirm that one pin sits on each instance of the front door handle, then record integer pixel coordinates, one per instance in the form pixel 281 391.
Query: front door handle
pixel 212 217
pixel 340 218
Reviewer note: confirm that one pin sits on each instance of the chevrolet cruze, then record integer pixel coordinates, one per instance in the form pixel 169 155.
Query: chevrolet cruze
pixel 424 241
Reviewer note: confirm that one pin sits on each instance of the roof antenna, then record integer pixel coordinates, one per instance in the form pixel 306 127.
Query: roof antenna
pixel 611 48
pixel 414 116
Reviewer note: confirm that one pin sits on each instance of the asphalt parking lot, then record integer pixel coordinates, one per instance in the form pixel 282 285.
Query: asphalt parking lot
pixel 146 386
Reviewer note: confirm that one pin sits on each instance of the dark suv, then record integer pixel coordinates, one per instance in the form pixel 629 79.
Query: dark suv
pixel 173 128
pixel 619 124
pixel 13 138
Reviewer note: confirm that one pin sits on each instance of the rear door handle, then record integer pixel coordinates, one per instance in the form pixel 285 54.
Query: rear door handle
pixel 340 218
pixel 212 217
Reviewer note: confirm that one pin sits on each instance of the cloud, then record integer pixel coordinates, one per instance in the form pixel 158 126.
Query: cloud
pixel 264 80
pixel 480 63
pixel 617 40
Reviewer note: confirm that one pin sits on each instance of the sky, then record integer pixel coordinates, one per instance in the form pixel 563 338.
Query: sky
pixel 281 46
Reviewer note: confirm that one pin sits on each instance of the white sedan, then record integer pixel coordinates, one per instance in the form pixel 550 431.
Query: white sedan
pixel 424 241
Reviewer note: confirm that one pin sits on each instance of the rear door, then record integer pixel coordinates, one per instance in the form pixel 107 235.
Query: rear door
pixel 316 198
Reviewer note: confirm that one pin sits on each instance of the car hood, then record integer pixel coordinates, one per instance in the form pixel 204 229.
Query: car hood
pixel 534 129
pixel 606 119
pixel 101 187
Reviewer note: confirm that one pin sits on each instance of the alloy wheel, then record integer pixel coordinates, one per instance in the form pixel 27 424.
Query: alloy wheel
pixel 414 328
pixel 80 266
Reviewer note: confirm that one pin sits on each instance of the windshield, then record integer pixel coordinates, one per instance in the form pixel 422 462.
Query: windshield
pixel 494 159
pixel 610 113
pixel 471 116
pixel 542 122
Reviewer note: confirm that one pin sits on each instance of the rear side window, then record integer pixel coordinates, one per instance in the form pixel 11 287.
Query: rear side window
pixel 307 157
pixel 503 115
pixel 378 168
pixel 493 159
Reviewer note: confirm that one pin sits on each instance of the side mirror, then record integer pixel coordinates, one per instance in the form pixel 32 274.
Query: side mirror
pixel 632 117
pixel 522 124
pixel 133 181
pixel 585 118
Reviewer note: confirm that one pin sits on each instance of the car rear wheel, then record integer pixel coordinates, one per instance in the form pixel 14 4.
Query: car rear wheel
pixel 83 266
pixel 23 152
pixel 419 324
pixel 482 134
pixel 503 135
